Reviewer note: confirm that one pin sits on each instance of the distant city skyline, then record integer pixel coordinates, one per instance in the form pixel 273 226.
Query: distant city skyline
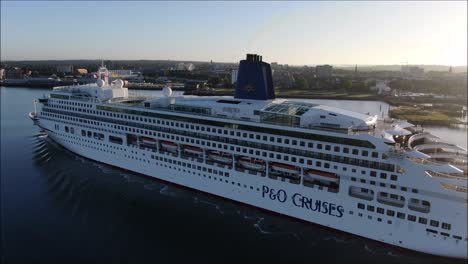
pixel 295 33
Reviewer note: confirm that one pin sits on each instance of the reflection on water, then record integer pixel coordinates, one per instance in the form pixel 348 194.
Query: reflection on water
pixel 57 206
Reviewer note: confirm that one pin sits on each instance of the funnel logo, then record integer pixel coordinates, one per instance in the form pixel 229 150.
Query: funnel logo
pixel 249 88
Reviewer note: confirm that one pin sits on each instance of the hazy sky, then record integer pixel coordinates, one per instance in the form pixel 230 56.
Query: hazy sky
pixel 286 32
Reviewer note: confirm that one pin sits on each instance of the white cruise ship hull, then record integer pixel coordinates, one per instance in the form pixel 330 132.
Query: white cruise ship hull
pixel 315 205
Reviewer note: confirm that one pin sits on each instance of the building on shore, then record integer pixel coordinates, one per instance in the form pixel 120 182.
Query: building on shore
pixel 324 71
pixel 14 73
pixel 234 74
pixel 82 71
pixel 120 73
pixel 184 67
pixel 2 73
pixel 65 68
pixel 382 88
pixel 413 70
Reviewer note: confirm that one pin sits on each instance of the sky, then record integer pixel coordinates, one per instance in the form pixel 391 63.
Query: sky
pixel 295 33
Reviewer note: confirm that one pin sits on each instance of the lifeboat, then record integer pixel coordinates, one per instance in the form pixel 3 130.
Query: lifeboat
pixel 251 163
pixel 169 146
pixel 148 141
pixel 285 168
pixel 193 150
pixel 220 157
pixel 322 176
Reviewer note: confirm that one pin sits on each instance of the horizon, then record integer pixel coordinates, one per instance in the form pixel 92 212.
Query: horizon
pixel 237 62
pixel 293 33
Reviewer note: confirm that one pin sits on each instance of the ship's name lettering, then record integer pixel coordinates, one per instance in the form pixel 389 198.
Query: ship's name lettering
pixel 302 201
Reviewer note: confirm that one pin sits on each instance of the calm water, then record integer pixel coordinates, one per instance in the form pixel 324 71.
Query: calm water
pixel 59 208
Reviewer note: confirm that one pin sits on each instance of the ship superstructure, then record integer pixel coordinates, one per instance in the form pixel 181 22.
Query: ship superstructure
pixel 387 181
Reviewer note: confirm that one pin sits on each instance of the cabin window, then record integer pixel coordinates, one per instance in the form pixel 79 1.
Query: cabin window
pixel 375 154
pixel 390 213
pixel 383 175
pixel 360 206
pixel 446 226
pixel 365 153
pixel 345 150
pixel 361 193
pixel 380 210
pixel 422 220
pixel 391 199
pixel 393 177
pixel 355 152
pixel 412 218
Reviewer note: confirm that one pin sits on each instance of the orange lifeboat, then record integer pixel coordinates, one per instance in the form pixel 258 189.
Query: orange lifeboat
pixel 148 141
pixel 285 168
pixel 220 157
pixel 193 150
pixel 253 164
pixel 169 146
pixel 322 176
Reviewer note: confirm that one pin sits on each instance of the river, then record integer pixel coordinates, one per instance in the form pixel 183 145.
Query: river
pixel 60 208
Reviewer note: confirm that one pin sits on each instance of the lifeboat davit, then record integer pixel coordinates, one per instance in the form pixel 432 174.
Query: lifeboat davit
pixel 253 164
pixel 322 176
pixel 220 157
pixel 193 150
pixel 169 146
pixel 285 168
pixel 148 141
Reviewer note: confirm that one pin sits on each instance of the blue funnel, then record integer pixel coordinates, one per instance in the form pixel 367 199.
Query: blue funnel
pixel 254 79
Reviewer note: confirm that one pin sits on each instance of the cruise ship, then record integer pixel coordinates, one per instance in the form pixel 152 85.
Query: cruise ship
pixel 385 180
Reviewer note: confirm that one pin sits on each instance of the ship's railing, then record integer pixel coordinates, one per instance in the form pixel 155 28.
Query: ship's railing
pixel 85 99
pixel 455 176
pixel 456 188
pixel 424 161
